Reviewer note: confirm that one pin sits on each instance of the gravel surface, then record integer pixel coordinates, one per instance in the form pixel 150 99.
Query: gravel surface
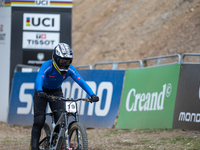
pixel 18 137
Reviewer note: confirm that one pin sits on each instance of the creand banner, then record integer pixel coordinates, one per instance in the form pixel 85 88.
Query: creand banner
pixel 187 107
pixel 148 97
pixel 107 84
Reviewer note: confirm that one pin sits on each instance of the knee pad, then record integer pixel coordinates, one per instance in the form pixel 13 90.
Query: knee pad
pixel 39 121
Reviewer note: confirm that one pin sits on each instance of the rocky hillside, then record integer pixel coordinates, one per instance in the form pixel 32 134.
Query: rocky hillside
pixel 122 30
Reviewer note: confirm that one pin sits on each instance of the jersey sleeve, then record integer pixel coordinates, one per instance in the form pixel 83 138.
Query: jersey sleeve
pixel 40 76
pixel 79 80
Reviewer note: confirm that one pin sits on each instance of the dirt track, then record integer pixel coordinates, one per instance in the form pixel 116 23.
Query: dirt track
pixel 18 137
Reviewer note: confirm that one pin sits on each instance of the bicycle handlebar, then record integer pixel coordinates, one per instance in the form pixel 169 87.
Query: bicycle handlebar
pixel 54 98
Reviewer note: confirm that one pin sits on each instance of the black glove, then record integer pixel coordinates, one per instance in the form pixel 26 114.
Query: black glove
pixel 94 98
pixel 42 94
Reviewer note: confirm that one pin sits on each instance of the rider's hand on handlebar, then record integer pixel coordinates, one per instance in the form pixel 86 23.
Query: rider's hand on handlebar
pixel 94 98
pixel 42 94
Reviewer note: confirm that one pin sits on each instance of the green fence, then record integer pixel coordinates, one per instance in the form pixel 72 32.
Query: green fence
pixel 148 97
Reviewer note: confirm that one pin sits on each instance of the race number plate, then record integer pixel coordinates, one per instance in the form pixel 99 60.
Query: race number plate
pixel 71 106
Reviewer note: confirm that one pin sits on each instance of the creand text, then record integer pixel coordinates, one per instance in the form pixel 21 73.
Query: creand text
pixel 145 101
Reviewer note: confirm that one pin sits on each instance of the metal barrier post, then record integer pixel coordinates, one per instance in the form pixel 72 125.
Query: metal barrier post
pixel 189 54
pixel 26 68
pixel 115 64
pixel 84 66
pixel 159 60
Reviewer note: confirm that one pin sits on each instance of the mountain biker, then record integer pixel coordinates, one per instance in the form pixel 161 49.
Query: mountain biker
pixel 48 82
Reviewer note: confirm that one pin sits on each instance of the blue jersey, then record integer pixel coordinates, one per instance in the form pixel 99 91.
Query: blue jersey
pixel 50 78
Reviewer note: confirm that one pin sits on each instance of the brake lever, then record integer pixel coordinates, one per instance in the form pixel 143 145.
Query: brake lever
pixel 88 100
pixel 52 98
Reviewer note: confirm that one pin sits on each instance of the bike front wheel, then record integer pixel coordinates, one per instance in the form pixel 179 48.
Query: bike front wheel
pixel 78 137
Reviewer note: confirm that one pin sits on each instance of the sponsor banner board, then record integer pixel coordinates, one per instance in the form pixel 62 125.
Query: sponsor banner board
pixel 39 21
pixel 187 112
pixel 105 83
pixel 37 30
pixel 148 97
pixel 36 58
pixel 42 3
pixel 5 35
pixel 40 40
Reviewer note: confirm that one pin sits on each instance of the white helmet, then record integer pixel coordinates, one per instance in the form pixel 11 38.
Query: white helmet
pixel 62 57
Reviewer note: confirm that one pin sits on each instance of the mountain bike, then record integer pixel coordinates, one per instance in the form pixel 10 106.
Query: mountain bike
pixel 64 134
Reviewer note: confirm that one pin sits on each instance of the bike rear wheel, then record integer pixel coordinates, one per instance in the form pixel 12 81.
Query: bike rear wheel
pixel 75 130
pixel 44 138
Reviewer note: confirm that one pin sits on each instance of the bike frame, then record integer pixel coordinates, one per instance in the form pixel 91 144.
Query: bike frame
pixel 63 132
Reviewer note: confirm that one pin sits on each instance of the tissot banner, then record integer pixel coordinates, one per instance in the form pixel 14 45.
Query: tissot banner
pixel 106 84
pixel 40 40
pixel 187 107
pixel 148 97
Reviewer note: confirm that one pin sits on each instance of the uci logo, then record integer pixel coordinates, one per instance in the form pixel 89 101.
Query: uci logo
pixel 41 2
pixel 48 22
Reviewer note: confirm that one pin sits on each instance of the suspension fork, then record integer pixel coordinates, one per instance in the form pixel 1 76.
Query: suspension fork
pixel 66 131
pixel 78 133
pixel 78 139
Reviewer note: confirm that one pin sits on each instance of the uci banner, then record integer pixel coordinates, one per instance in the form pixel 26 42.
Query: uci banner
pixel 107 84
pixel 148 97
